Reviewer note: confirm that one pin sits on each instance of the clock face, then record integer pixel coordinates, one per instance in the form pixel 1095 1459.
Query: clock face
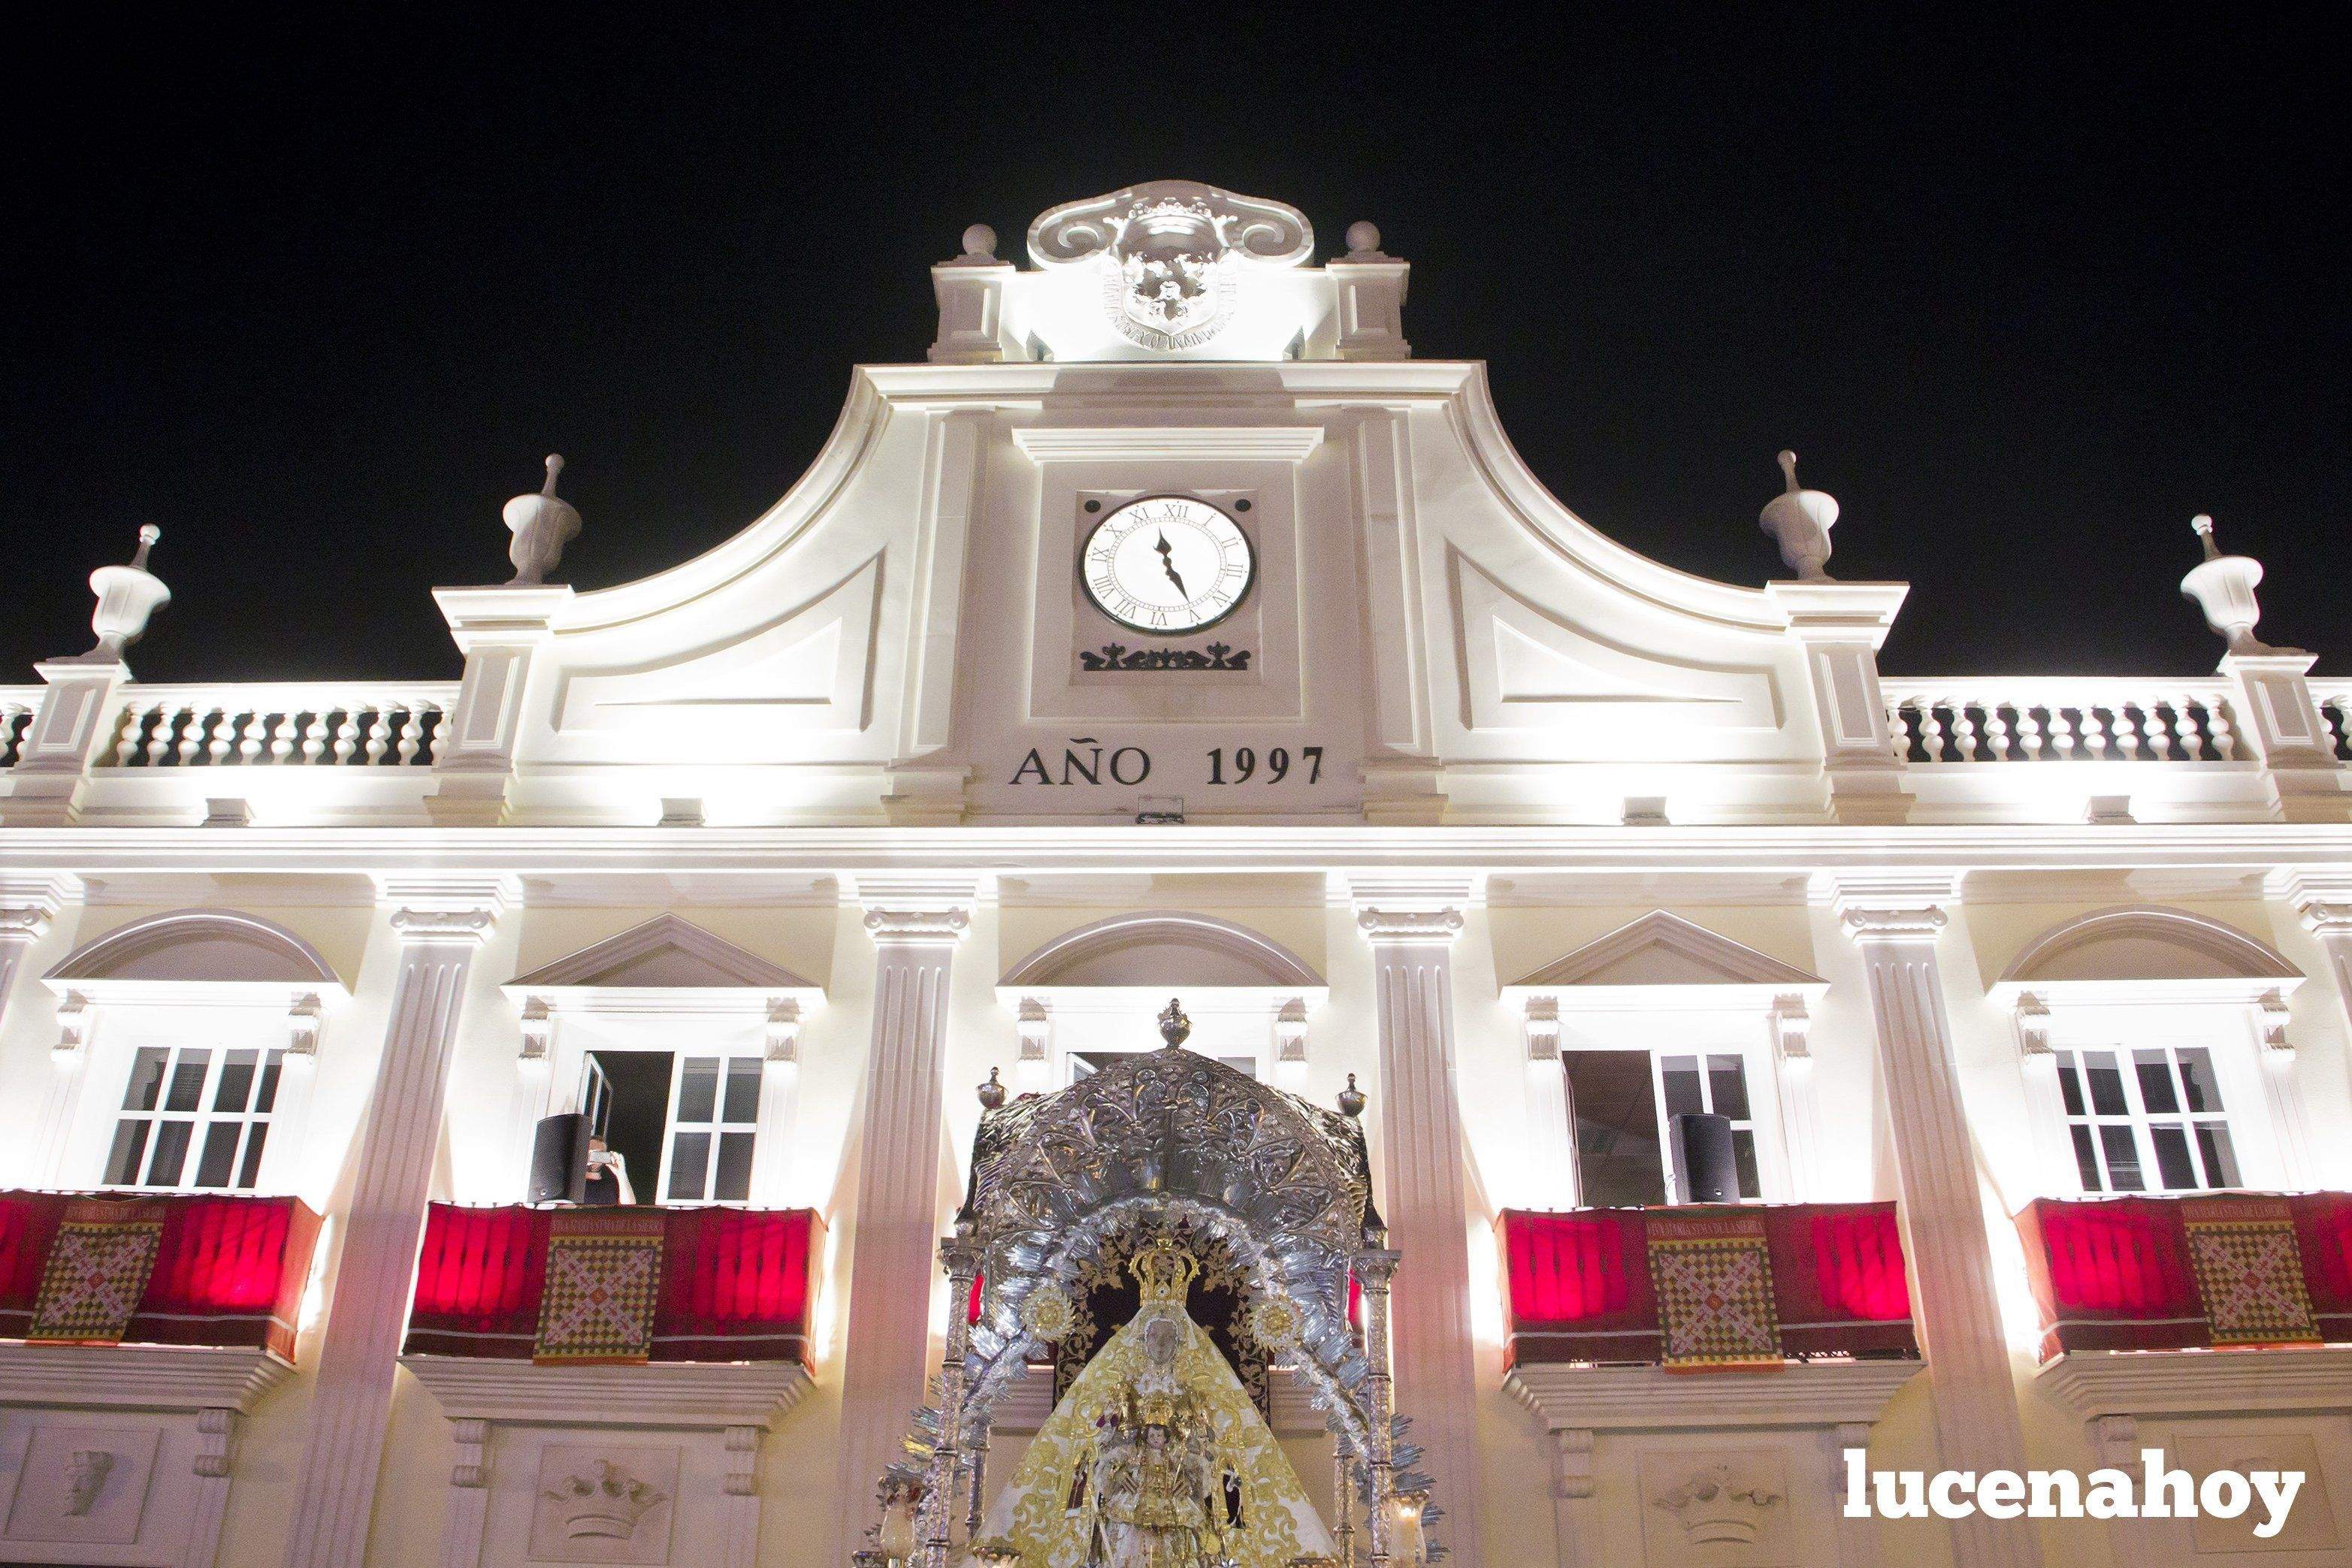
pixel 1167 564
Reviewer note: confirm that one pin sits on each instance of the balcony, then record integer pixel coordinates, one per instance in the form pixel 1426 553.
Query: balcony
pixel 2227 1271
pixel 615 1286
pixel 1688 1287
pixel 168 1270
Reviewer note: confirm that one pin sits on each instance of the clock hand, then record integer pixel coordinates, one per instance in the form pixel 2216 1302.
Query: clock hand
pixel 1167 563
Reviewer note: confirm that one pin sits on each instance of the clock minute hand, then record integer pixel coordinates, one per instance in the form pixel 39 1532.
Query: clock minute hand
pixel 1167 563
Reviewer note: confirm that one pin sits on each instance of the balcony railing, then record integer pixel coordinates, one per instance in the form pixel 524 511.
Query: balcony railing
pixel 616 1284
pixel 340 724
pixel 17 705
pixel 176 1269
pixel 1701 1286
pixel 2237 1270
pixel 2061 720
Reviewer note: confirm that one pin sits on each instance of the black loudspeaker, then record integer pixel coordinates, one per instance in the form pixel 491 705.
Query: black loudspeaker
pixel 1702 1155
pixel 559 1160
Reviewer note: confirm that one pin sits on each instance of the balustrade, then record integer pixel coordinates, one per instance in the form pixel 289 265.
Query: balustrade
pixel 17 708
pixel 2335 700
pixel 2061 720
pixel 348 724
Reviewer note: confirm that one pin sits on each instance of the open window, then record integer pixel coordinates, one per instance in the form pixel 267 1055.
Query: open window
pixel 1624 1104
pixel 680 1049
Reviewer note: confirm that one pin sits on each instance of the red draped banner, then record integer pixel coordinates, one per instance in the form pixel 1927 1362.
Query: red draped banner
pixel 1582 1287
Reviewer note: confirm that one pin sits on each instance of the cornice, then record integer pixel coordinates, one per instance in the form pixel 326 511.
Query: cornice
pixel 2090 1384
pixel 1650 1399
pixel 138 1376
pixel 705 1394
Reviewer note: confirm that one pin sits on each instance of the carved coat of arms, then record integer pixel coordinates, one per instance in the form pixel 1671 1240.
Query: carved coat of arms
pixel 1170 252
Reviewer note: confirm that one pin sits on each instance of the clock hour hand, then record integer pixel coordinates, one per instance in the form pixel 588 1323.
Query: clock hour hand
pixel 1167 563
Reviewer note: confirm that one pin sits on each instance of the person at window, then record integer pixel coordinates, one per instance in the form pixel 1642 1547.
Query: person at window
pixel 608 1177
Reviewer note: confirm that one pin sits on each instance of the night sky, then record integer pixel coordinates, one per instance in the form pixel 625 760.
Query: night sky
pixel 317 297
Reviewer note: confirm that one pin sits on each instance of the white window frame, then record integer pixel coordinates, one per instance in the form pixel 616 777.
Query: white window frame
pixel 203 1118
pixel 715 1128
pixel 1658 1058
pixel 2140 1121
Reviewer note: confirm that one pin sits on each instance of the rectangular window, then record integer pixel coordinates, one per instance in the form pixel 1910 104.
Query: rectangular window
pixel 1623 1102
pixel 714 1113
pixel 194 1118
pixel 2146 1120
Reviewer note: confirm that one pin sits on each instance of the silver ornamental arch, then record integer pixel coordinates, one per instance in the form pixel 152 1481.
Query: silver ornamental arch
pixel 1147 1140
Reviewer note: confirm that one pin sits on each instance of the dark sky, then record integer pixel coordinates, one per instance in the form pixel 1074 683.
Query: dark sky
pixel 316 294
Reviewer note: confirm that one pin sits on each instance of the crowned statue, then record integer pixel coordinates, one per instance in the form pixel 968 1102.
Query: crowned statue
pixel 1156 1458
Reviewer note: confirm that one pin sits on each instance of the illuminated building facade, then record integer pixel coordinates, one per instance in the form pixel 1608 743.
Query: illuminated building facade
pixel 1172 632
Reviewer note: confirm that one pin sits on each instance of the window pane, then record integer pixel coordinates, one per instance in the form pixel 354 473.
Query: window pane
pixel 1728 1085
pixel 252 1166
pixel 2123 1159
pixel 235 1080
pixel 734 1183
pixel 743 1089
pixel 2106 1082
pixel 698 1088
pixel 689 1161
pixel 146 1080
pixel 1615 1108
pixel 2070 1083
pixel 2221 1160
pixel 1743 1159
pixel 2172 1162
pixel 171 1153
pixel 130 1144
pixel 267 1101
pixel 1684 1095
pixel 2155 1091
pixel 2196 1077
pixel 2086 1160
pixel 188 1088
pixel 220 1153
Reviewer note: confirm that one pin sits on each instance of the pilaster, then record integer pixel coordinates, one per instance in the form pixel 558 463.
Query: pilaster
pixel 44 788
pixel 1841 626
pixel 916 925
pixel 1894 921
pixel 1411 925
pixel 500 631
pixel 439 923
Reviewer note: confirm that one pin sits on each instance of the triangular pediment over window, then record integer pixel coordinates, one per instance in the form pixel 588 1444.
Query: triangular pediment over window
pixel 1664 950
pixel 663 958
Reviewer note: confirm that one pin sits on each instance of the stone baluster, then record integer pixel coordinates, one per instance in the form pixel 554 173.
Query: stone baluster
pixel 439 923
pixel 1895 922
pixel 1411 926
pixel 916 926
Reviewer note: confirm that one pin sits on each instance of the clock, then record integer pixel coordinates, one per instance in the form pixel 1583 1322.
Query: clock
pixel 1167 564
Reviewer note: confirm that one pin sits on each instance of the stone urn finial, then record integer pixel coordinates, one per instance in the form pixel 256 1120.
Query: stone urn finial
pixel 2223 587
pixel 541 525
pixel 1800 520
pixel 127 596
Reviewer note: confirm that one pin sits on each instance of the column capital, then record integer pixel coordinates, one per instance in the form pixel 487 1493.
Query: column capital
pixel 431 907
pixel 21 924
pixel 928 907
pixel 1891 906
pixel 942 926
pixel 1391 924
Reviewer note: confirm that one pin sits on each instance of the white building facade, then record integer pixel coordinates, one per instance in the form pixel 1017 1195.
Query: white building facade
pixel 1172 632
